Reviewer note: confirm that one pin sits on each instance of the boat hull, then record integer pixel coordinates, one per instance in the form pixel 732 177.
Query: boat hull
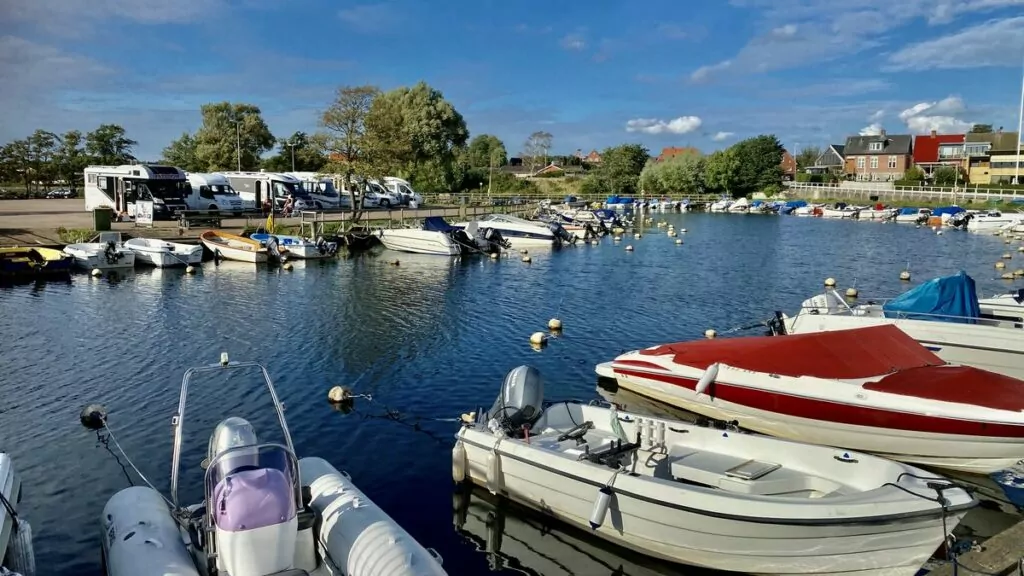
pixel 233 247
pixel 168 255
pixel 687 536
pixel 419 242
pixel 31 263
pixel 93 259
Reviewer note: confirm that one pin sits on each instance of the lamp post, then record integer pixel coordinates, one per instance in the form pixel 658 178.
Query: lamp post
pixel 291 145
pixel 1020 126
pixel 238 144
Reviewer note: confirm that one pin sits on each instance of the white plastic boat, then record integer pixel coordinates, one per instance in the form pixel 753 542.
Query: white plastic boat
pixel 265 512
pixel 16 552
pixel 419 241
pixel 809 210
pixel 720 206
pixel 992 220
pixel 233 247
pixel 876 213
pixel 840 210
pixel 702 496
pixel 913 215
pixel 297 246
pixel 522 233
pixel 741 205
pixel 109 253
pixel 163 254
pixel 1004 308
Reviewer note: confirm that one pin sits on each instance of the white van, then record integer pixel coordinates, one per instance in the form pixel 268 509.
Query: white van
pixel 322 190
pixel 381 195
pixel 214 192
pixel 256 187
pixel 404 190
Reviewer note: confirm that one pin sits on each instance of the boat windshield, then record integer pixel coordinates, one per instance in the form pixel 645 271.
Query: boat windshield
pixel 250 487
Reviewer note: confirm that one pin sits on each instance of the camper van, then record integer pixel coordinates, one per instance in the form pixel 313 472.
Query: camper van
pixel 322 190
pixel 256 187
pixel 120 187
pixel 214 192
pixel 404 190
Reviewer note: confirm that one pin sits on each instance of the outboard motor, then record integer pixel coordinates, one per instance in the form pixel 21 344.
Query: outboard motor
pixel 520 403
pixel 252 501
pixel 274 249
pixel 561 233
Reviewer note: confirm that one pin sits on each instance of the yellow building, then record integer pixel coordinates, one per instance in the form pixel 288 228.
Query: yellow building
pixel 991 157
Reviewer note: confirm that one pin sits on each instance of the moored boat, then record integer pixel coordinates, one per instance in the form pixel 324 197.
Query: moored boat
pixel 22 262
pixel 16 552
pixel 164 254
pixel 109 253
pixel 913 215
pixel 873 389
pixel 840 210
pixel 702 496
pixel 297 246
pixel 521 233
pixel 234 247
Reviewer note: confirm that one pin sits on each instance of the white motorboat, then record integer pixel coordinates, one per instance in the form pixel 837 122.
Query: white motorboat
pixel 878 212
pixel 913 215
pixel 740 205
pixel 943 315
pixel 1004 308
pixel 164 254
pixel 16 552
pixel 991 220
pixel 264 511
pixel 234 247
pixel 840 210
pixel 808 210
pixel 521 233
pixel 419 241
pixel 297 246
pixel 873 389
pixel 702 496
pixel 108 253
pixel 720 205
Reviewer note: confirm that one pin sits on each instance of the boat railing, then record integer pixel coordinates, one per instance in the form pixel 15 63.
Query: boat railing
pixel 876 311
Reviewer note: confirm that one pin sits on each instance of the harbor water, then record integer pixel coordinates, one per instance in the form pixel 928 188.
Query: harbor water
pixel 428 339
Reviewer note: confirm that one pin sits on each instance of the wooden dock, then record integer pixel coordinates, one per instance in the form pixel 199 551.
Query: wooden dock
pixel 999 555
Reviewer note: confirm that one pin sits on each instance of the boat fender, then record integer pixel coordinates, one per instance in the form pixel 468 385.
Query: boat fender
pixel 597 515
pixel 707 378
pixel 494 469
pixel 659 435
pixel 459 462
pixel 20 557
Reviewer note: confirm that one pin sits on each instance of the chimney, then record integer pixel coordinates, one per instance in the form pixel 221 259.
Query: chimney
pixel 882 133
pixel 934 133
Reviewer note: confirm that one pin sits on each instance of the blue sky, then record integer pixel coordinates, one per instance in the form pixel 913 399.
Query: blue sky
pixel 593 74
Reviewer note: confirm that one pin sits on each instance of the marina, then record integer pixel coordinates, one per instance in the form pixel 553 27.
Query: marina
pixel 415 345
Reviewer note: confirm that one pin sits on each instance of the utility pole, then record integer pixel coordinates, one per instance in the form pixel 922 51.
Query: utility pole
pixel 238 144
pixel 1020 126
pixel 292 146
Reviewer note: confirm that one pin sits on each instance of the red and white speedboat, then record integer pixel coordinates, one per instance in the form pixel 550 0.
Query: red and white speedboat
pixel 872 389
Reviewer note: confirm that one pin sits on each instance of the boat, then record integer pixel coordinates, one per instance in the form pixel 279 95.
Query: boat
pixel 878 212
pixel 521 233
pixel 437 236
pixel 809 210
pixel 944 215
pixel 790 206
pixel 1008 308
pixel 264 510
pixel 16 552
pixel 840 210
pixel 704 496
pixel 233 247
pixel 873 389
pixel 943 314
pixel 990 220
pixel 108 253
pixel 740 205
pixel 297 246
pixel 164 254
pixel 913 215
pixel 721 205
pixel 30 263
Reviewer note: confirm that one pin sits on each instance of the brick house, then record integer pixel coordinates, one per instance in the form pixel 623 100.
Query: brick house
pixel 593 158
pixel 673 151
pixel 880 158
pixel 932 151
pixel 788 166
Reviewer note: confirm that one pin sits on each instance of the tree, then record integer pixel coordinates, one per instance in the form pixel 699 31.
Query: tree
pixel 182 153
pixel 683 173
pixel 807 157
pixel 108 145
pixel 349 151
pixel 535 150
pixel 650 178
pixel 16 160
pixel 947 176
pixel 758 164
pixel 42 147
pixel 298 153
pixel 912 177
pixel 71 158
pixel 486 151
pixel 231 134
pixel 620 169
pixel 721 170
pixel 981 129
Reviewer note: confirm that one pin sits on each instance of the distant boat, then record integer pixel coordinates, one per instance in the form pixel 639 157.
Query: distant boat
pixel 107 254
pixel 20 262
pixel 163 254
pixel 234 247
pixel 913 215
pixel 299 247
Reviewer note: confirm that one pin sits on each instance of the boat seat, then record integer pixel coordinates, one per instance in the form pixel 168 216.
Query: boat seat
pixel 594 441
pixel 739 474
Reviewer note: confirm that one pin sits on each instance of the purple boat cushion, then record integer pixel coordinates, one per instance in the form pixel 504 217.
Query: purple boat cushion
pixel 253 499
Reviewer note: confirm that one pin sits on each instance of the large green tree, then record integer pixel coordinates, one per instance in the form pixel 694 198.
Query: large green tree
pixel 682 173
pixel 721 171
pixel 759 164
pixel 232 134
pixel 350 150
pixel 619 172
pixel 109 145
pixel 486 151
pixel 299 152
pixel 807 156
pixel 182 153
pixel 71 158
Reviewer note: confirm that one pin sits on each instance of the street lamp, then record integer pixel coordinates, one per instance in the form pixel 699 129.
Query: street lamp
pixel 1020 126
pixel 291 145
pixel 238 143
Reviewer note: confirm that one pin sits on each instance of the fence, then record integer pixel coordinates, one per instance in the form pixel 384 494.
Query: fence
pixel 851 191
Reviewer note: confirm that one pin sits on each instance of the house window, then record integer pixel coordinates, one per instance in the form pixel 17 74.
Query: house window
pixel 875 146
pixel 874 162
pixel 860 162
pixel 892 161
pixel 952 151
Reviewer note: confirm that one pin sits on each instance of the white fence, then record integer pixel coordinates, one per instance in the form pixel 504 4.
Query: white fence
pixel 851 191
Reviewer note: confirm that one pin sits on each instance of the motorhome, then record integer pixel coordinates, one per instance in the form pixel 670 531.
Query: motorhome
pixel 322 189
pixel 214 192
pixel 120 187
pixel 404 190
pixel 378 195
pixel 256 187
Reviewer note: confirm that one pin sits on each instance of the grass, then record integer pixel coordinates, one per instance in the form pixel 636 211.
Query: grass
pixel 75 235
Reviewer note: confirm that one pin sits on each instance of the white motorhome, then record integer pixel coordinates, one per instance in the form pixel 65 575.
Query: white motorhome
pixel 214 192
pixel 403 189
pixel 378 195
pixel 256 187
pixel 322 189
pixel 120 187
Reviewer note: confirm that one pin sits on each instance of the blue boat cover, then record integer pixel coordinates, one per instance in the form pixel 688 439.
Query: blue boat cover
pixel 905 211
pixel 613 199
pixel 947 299
pixel 796 204
pixel 437 224
pixel 947 210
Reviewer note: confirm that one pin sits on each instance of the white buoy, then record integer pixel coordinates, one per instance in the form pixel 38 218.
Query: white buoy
pixel 707 378
pixel 938 232
pixel 1007 256
pixel 287 266
pixel 629 248
pixel 1007 276
pixel 852 292
pixel 830 282
pixel 597 515
pixel 495 256
pixel 538 338
pixel 524 251
pixel 555 324
pixel 671 234
pixel 459 462
pixel 1020 249
pixel 527 259
pixel 1000 265
pixel 1018 272
pixel 710 333
pixel 339 394
pixel 905 275
pixel 96 273
pixel 683 230
pixel 637 236
pixel 679 240
pixel 617 239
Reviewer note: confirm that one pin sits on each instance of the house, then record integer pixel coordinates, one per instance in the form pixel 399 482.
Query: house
pixel 831 161
pixel 880 158
pixel 932 151
pixel 593 158
pixel 992 157
pixel 788 166
pixel 673 151
pixel 551 170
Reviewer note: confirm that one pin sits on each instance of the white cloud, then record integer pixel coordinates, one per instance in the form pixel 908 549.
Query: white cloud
pixel 786 31
pixel 993 43
pixel 680 125
pixel 940 116
pixel 574 42
pixel 719 136
pixel 876 116
pixel 71 18
pixel 873 129
pixel 704 72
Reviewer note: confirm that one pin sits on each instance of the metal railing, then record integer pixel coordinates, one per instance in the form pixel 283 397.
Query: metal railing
pixel 933 193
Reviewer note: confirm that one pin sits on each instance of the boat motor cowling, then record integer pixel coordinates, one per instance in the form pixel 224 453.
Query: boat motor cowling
pixel 521 401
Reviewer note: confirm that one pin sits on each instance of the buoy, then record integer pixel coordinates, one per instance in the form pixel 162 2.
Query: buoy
pixel 495 255
pixel 1000 265
pixel 394 262
pixel 710 333
pixel 1007 256
pixel 629 248
pixel 1018 272
pixel 1007 241
pixel 190 269
pixel 918 226
pixel 637 236
pixel 339 394
pixel 707 378
pixel 93 416
pixel 679 240
pixel 96 273
pixel 830 282
pixel 459 462
pixel 1007 276
pixel 555 324
pixel 938 232
pixel 597 515
pixel 527 259
pixel 997 233
pixel 287 266
pixel 618 230
pixel 683 230
pixel 595 242
pixel 538 338
pixel 617 238
pixel 905 275
pixel 524 251
pixel 852 293
pixel 1020 249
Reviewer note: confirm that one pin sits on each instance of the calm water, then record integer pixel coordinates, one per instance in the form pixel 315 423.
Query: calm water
pixel 431 338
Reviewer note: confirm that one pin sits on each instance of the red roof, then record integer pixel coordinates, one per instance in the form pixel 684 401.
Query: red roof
pixel 959 384
pixel 926 147
pixel 841 354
